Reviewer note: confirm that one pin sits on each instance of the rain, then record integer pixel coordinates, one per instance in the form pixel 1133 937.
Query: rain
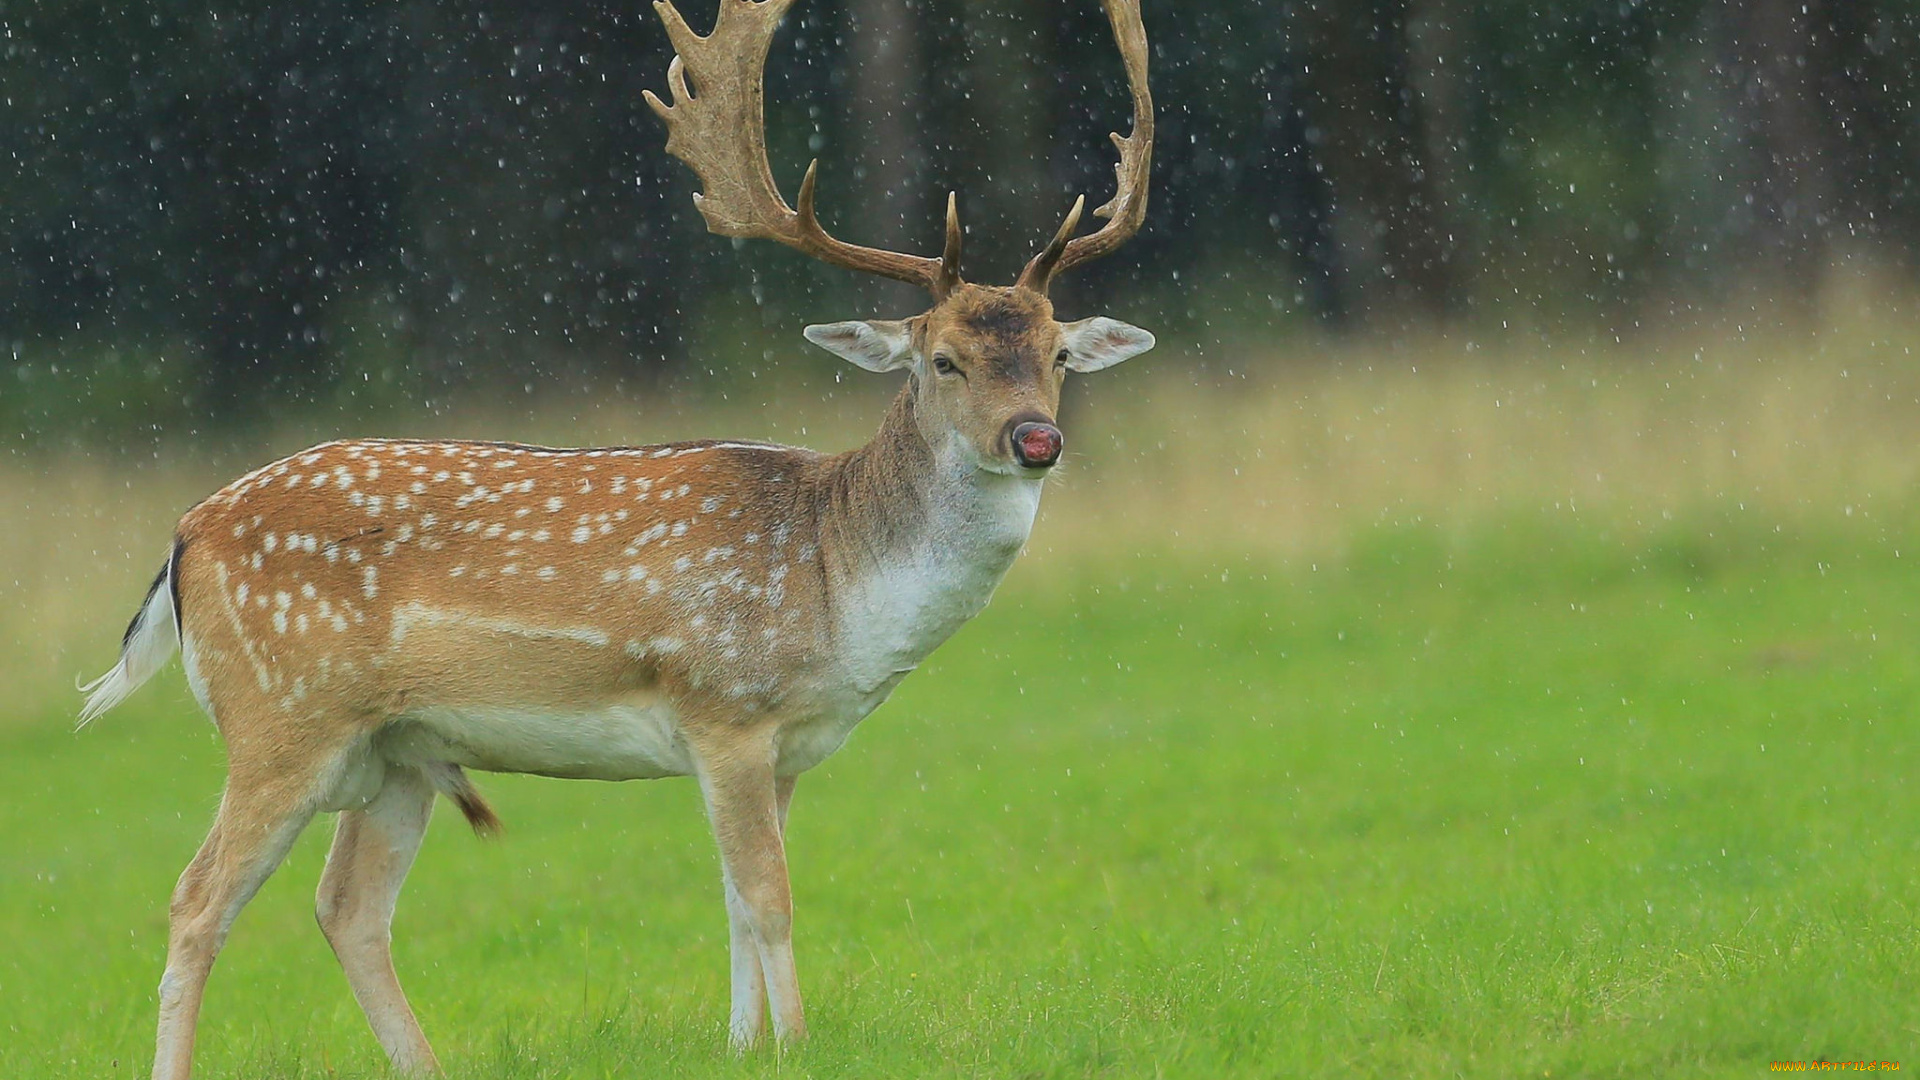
pixel 1475 640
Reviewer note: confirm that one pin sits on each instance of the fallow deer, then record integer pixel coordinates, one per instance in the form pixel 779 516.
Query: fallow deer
pixel 366 620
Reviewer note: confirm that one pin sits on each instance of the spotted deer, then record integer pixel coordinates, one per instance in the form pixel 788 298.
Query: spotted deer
pixel 366 620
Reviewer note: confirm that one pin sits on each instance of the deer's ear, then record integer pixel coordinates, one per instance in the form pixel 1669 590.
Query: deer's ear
pixel 1100 342
pixel 877 345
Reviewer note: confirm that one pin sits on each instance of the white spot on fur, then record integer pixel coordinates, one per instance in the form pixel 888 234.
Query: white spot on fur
pixel 409 616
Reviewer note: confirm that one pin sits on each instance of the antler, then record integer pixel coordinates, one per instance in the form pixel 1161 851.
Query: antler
pixel 1128 207
pixel 719 128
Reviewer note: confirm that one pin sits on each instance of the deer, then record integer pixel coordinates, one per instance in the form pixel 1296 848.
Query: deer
pixel 368 620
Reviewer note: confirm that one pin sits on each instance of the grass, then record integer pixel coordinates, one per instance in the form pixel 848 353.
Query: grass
pixel 1617 810
pixel 1417 713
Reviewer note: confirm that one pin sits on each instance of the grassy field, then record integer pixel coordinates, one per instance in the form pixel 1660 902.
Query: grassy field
pixel 1503 721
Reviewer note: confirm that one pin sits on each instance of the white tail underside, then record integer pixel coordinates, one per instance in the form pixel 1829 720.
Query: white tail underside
pixel 151 642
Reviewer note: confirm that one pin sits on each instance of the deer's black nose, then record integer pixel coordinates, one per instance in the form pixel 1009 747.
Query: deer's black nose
pixel 1036 445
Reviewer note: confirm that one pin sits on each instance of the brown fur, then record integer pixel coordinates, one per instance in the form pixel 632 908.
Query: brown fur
pixel 304 600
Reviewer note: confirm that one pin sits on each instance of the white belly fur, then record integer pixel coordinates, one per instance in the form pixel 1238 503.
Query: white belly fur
pixel 637 739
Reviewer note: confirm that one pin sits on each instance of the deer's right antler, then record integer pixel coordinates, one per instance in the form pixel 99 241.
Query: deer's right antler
pixel 718 126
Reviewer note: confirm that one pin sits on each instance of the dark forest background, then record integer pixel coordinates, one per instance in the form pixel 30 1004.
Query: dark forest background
pixel 203 208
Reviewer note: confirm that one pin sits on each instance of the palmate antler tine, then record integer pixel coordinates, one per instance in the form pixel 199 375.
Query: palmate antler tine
pixel 1128 207
pixel 719 128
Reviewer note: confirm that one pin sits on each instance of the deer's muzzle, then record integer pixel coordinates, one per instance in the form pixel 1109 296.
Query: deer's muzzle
pixel 1036 445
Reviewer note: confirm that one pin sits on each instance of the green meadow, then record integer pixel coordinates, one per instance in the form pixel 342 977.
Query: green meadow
pixel 1540 718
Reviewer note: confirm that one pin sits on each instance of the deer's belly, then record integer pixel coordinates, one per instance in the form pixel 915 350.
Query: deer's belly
pixel 633 740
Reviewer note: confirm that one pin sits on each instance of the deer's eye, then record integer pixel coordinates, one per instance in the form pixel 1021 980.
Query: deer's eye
pixel 1061 360
pixel 943 364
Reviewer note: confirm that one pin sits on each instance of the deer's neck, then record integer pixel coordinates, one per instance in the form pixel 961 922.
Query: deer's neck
pixel 920 537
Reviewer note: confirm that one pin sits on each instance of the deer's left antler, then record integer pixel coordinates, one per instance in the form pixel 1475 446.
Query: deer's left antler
pixel 1128 207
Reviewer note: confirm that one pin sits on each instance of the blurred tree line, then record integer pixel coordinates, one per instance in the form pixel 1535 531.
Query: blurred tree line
pixel 268 200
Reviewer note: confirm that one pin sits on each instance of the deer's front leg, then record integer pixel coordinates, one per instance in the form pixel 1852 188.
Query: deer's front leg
pixel 748 1018
pixel 746 805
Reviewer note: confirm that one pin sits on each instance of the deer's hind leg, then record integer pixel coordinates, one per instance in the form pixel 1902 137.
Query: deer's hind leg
pixel 274 787
pixel 373 848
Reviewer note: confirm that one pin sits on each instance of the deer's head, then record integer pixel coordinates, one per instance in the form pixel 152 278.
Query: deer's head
pixel 986 363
